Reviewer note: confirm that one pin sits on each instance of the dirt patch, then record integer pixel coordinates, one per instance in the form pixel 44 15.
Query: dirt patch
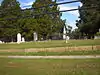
pixel 62 49
pixel 12 50
pixel 56 49
pixel 12 65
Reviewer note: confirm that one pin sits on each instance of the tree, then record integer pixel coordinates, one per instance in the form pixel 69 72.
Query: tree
pixel 9 10
pixel 75 34
pixel 27 27
pixel 47 23
pixel 89 19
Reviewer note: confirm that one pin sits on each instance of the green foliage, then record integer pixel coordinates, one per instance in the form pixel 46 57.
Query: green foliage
pixel 98 34
pixel 27 27
pixel 8 26
pixel 75 34
pixel 89 19
pixel 48 23
pixel 45 25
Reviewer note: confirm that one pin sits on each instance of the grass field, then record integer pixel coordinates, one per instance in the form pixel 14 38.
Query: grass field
pixel 90 52
pixel 49 66
pixel 58 47
pixel 10 66
pixel 50 44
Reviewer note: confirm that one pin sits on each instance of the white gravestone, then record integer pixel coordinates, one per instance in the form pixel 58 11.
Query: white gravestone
pixel 23 39
pixel 1 42
pixel 18 38
pixel 35 36
pixel 67 37
pixel 64 33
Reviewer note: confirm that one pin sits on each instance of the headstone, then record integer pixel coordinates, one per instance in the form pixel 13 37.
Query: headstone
pixel 64 33
pixel 23 39
pixel 35 36
pixel 18 38
pixel 1 42
pixel 96 37
pixel 67 37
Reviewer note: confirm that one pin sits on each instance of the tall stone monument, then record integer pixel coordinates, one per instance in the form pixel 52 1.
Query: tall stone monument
pixel 64 33
pixel 1 42
pixel 18 38
pixel 35 36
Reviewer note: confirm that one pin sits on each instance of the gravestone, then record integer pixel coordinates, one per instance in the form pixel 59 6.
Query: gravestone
pixel 97 37
pixel 67 37
pixel 18 38
pixel 1 42
pixel 64 33
pixel 35 36
pixel 23 39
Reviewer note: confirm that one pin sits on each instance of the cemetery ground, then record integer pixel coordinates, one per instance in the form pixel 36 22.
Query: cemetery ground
pixel 54 47
pixel 49 66
pixel 45 66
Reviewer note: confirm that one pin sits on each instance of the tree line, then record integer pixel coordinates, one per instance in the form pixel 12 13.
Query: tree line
pixel 13 20
pixel 88 25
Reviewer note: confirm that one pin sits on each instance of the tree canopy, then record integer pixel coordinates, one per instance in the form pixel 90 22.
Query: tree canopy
pixel 89 19
pixel 8 27
pixel 47 23
pixel 11 21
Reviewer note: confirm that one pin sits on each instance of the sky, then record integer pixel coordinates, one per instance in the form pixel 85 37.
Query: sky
pixel 70 17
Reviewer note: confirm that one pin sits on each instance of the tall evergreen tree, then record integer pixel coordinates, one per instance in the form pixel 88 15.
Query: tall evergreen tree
pixel 89 19
pixel 9 10
pixel 47 23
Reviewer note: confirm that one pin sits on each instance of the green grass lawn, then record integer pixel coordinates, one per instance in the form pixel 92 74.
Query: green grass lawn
pixel 90 52
pixel 50 44
pixel 49 66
